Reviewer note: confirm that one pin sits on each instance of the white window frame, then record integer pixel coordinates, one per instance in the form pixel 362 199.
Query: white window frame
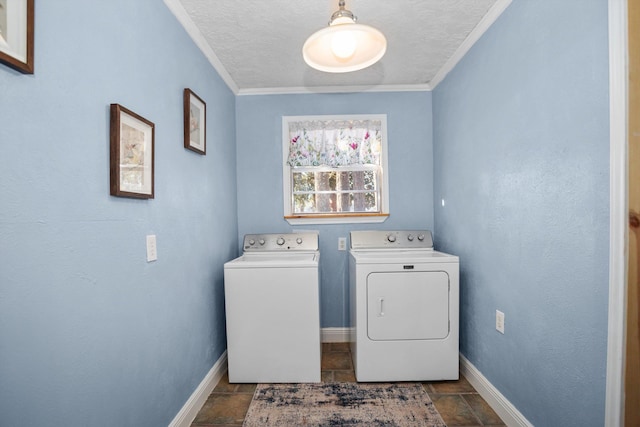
pixel 338 217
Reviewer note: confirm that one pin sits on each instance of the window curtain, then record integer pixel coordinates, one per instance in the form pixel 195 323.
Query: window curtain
pixel 334 143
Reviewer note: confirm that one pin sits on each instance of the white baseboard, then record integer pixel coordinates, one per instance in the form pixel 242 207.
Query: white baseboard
pixel 335 334
pixel 505 409
pixel 509 414
pixel 190 409
pixel 193 405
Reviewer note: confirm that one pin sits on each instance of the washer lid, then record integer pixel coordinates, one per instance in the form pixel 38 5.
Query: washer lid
pixel 276 260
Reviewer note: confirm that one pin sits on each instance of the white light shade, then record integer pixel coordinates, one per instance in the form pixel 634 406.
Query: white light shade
pixel 341 48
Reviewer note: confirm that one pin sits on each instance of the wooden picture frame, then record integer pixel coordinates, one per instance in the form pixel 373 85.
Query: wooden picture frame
pixel 16 34
pixel 132 154
pixel 195 122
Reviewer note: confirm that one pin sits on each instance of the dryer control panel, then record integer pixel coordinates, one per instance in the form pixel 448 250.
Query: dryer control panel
pixel 280 242
pixel 381 239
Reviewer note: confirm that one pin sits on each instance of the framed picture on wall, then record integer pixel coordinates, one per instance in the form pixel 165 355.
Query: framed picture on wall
pixel 195 122
pixel 132 154
pixel 16 34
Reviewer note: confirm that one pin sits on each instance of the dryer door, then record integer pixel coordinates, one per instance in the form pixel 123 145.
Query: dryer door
pixel 408 305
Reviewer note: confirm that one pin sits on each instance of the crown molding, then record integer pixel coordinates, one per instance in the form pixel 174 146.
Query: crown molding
pixel 475 34
pixel 335 89
pixel 198 38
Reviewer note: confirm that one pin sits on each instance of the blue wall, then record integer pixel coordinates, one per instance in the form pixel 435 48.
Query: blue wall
pixel 521 155
pixel 90 333
pixel 259 151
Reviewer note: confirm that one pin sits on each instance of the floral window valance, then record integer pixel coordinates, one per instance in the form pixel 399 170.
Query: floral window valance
pixel 334 143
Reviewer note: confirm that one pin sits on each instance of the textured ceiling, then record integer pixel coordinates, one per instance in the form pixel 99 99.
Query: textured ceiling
pixel 258 43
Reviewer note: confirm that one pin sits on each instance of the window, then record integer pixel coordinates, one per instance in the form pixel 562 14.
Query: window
pixel 335 169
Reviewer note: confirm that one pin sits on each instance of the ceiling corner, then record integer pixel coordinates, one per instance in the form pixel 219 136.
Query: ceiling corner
pixel 487 21
pixel 198 38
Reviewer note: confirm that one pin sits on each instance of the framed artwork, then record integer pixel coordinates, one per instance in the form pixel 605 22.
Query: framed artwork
pixel 16 34
pixel 195 122
pixel 132 154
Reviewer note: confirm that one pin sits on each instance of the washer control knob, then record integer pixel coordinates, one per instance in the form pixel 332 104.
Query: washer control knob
pixel 299 240
pixel 410 237
pixel 252 242
pixel 280 241
pixel 421 237
pixel 261 241
pixel 391 238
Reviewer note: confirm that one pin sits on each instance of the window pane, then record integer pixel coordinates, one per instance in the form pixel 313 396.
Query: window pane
pixel 326 203
pixel 325 181
pixel 304 203
pixel 358 198
pixel 363 202
pixel 303 181
pixel 369 180
pixel 344 184
pixel 371 202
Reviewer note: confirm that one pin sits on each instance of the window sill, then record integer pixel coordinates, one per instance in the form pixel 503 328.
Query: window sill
pixel 336 219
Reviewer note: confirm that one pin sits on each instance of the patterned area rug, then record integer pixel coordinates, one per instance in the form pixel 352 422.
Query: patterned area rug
pixel 342 404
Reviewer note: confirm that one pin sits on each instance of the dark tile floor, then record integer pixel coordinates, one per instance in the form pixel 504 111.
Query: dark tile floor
pixel 457 401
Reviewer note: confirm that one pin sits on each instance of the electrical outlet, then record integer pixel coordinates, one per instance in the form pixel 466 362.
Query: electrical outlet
pixel 500 321
pixel 342 243
pixel 152 250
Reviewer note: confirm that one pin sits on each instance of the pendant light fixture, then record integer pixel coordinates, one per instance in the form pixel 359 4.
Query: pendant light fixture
pixel 344 46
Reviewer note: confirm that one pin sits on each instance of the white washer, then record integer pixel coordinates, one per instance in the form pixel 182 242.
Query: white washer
pixel 404 299
pixel 272 310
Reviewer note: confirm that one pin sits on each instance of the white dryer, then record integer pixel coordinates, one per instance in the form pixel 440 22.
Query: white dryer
pixel 404 300
pixel 272 308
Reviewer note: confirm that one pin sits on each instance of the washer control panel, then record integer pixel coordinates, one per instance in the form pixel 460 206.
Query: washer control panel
pixel 381 239
pixel 280 242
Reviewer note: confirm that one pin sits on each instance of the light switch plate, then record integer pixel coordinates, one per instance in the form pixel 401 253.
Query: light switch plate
pixel 152 250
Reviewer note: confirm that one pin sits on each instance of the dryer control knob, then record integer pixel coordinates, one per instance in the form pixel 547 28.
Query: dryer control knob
pixel 280 241
pixel 261 241
pixel 298 240
pixel 252 242
pixel 421 237
pixel 391 238
pixel 410 237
